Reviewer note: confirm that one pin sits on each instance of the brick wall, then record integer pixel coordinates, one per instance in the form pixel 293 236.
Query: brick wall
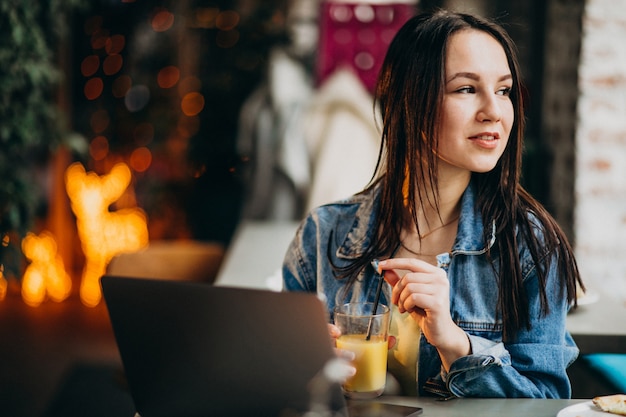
pixel 600 186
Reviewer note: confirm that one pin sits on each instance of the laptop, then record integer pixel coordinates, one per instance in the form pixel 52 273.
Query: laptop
pixel 191 349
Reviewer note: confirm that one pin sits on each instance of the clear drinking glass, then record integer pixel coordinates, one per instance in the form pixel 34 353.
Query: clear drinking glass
pixel 364 332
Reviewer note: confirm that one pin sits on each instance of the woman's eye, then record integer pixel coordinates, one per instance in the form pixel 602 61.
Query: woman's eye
pixel 506 91
pixel 465 90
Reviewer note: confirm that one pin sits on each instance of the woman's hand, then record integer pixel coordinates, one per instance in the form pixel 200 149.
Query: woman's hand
pixel 424 292
pixel 346 356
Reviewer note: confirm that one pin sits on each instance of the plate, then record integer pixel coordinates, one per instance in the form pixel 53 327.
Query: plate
pixel 586 409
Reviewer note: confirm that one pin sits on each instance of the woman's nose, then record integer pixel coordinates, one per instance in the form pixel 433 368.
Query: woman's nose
pixel 490 110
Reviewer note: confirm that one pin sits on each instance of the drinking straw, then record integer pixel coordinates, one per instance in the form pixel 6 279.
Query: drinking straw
pixel 376 298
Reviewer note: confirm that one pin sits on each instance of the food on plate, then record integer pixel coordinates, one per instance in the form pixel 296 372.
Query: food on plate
pixel 614 404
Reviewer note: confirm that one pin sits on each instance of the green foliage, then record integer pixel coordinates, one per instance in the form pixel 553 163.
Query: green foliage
pixel 30 122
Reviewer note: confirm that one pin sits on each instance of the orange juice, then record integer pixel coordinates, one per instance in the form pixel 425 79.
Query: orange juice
pixel 370 362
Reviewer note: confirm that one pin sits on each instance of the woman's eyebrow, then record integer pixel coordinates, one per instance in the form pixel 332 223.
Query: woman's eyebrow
pixel 476 77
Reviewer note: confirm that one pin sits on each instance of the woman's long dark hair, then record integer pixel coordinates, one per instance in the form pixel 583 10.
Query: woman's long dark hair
pixel 409 95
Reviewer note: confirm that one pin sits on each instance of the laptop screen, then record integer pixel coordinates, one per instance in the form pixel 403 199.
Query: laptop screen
pixel 192 349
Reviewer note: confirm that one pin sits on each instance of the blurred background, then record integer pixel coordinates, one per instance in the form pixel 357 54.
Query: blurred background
pixel 165 124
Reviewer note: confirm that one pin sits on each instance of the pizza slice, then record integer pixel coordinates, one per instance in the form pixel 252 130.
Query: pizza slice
pixel 614 404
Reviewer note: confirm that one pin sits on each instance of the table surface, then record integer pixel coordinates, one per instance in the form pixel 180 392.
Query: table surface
pixel 485 407
pixel 256 254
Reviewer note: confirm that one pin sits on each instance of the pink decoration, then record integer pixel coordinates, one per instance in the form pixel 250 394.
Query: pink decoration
pixel 356 35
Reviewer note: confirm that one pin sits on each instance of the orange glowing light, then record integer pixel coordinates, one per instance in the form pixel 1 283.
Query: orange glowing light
pixel 3 284
pixel 192 103
pixel 162 21
pixel 140 159
pixel 205 16
pixel 93 88
pixel 99 148
pixel 115 44
pixel 227 20
pixel 168 76
pixel 189 84
pixel 121 85
pixel 46 275
pixel 103 233
pixel 112 64
pixel 90 65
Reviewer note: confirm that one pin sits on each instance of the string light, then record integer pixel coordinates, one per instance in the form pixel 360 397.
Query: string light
pixel 162 21
pixel 168 76
pixel 140 159
pixel 93 88
pixel 90 65
pixel 99 148
pixel 192 103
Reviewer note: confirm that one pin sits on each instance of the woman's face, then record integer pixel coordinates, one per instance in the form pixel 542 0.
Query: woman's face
pixel 477 112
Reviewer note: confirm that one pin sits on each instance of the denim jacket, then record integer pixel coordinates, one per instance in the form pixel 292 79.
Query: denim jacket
pixel 532 364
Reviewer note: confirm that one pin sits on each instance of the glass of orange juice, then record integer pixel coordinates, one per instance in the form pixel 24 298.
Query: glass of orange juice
pixel 364 332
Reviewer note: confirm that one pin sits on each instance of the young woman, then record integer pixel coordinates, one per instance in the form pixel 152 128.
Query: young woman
pixel 468 256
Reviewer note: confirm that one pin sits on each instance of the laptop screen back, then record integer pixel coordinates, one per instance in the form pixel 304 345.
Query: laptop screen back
pixel 192 349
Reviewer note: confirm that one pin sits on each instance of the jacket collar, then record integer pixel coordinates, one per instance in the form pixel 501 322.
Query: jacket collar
pixel 360 234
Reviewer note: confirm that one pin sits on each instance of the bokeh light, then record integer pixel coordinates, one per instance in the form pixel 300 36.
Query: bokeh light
pixel 99 148
pixel 168 76
pixel 227 20
pixel 4 284
pixel 137 98
pixel 114 44
pixel 206 16
pixel 112 64
pixel 192 103
pixel 140 159
pixel 93 88
pixel 103 233
pixel 90 65
pixel 99 39
pixel 162 20
pixel 188 85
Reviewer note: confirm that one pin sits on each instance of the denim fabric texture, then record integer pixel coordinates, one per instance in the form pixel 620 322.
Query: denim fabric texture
pixel 532 364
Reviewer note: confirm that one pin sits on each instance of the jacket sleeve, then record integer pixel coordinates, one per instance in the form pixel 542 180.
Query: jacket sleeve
pixel 296 270
pixel 532 365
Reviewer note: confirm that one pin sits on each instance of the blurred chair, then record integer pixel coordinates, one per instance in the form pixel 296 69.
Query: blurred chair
pixel 611 365
pixel 178 260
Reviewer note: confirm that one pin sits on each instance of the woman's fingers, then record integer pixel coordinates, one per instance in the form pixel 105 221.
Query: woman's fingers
pixel 408 264
pixel 422 287
pixel 334 332
pixel 391 342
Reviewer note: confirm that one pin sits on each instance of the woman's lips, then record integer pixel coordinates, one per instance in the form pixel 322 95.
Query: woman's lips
pixel 486 136
pixel 486 140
